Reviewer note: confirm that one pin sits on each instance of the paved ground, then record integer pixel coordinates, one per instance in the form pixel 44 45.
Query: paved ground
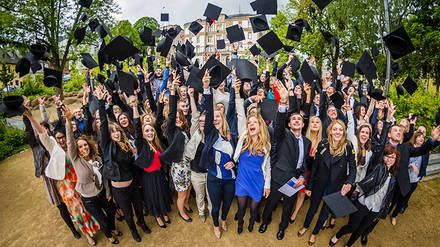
pixel 27 219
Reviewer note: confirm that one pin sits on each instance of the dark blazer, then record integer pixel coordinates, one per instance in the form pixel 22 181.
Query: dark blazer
pixel 322 170
pixel 144 152
pixel 407 151
pixel 287 152
pixel 211 135
pixel 176 138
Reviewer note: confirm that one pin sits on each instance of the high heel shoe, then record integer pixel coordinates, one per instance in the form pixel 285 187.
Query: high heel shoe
pixel 186 220
pixel 161 226
pixel 190 211
pixel 117 233
pixel 167 221
pixel 301 234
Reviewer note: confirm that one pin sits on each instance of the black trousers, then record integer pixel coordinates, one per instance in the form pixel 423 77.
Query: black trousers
pixel 400 201
pixel 271 203
pixel 64 213
pixel 358 222
pixel 126 198
pixel 96 206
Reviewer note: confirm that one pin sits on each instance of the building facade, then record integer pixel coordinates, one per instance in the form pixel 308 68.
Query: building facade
pixel 205 41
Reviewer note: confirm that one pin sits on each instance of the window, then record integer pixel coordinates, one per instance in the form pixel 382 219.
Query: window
pixel 210 40
pixel 219 37
pixel 235 23
pixel 250 35
pixel 211 28
pixel 198 40
pixel 244 24
pixel 219 27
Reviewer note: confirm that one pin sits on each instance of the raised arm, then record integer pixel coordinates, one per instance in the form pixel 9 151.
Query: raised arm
pixel 71 143
pixel 280 121
pixel 241 117
pixel 105 133
pixel 171 123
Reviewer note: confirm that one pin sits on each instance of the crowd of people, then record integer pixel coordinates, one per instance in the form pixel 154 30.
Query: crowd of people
pixel 132 150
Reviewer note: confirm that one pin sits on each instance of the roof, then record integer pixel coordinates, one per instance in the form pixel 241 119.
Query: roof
pixel 229 17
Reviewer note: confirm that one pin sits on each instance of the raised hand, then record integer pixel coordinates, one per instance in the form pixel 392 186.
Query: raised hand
pixel 132 101
pixel 307 89
pixel 40 100
pixel 206 79
pixel 191 92
pixel 98 94
pixel 67 114
pixel 284 94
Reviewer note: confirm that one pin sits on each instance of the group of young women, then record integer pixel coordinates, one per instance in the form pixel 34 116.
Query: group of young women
pixel 134 149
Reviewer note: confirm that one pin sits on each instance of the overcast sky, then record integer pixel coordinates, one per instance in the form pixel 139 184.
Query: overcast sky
pixel 181 11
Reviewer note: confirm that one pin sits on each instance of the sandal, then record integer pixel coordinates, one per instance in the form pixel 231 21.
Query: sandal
pixel 91 241
pixel 116 241
pixel 302 234
pixel 117 233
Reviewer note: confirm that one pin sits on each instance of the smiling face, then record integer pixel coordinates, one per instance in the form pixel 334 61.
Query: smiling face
pixel 337 132
pixel 260 92
pixel 83 148
pixel 315 124
pixel 247 87
pixel 404 123
pixel 115 134
pixel 263 77
pixel 77 113
pixel 221 87
pixel 61 139
pixel 218 120
pixel 253 127
pixel 179 123
pixel 316 100
pixel 332 113
pixel 183 92
pixel 147 119
pixel 220 107
pixel 158 72
pixel 183 106
pixel 123 120
pixel 201 123
pixel 166 100
pixel 389 160
pixel 296 122
pixel 364 134
pixel 149 133
pixel 117 110
pixel 74 126
pixel 420 140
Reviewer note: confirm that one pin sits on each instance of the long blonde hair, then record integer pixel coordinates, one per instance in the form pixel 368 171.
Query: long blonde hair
pixel 124 143
pixel 314 137
pixel 224 130
pixel 155 144
pixel 262 142
pixel 340 147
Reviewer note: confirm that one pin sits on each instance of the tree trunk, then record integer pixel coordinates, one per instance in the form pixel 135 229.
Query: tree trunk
pixel 54 63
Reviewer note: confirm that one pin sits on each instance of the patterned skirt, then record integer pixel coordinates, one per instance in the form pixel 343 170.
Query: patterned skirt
pixel 85 222
pixel 181 175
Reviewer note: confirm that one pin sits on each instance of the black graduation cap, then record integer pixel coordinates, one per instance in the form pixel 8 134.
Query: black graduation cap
pixel 93 24
pixel 88 61
pixel 339 205
pixel 146 36
pixel 221 44
pixel 164 17
pixel 410 85
pixel 85 3
pixel 288 48
pixel 235 34
pixel 367 66
pixel 259 23
pixel 270 42
pixel 127 82
pixel 399 90
pixel 102 57
pixel 268 7
pixel 348 69
pixel 189 49
pixel 307 73
pixel 83 17
pixel 327 35
pixel 322 3
pixel 269 109
pixel 164 46
pixel 195 27
pixel 294 32
pixel 23 66
pixel 255 50
pixel 377 94
pixel 79 34
pixel 303 23
pixel 337 99
pixel 295 64
pixel 374 51
pixel 174 63
pixel 270 56
pixel 111 83
pixel 194 65
pixel 182 59
pixel 101 79
pixel 157 33
pixel 212 11
pixel 217 70
pixel 254 5
pixel 399 43
pixel 12 105
pixel 395 67
pixel 194 81
pixel 245 70
pixel 35 62
pixel 312 10
pixel 40 51
pixel 103 31
pixel 52 78
pixel 120 48
pixel 139 59
pixel 173 32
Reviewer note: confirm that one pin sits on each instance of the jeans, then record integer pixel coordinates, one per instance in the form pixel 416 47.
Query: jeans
pixel 198 181
pixel 272 202
pixel 125 198
pixel 220 190
pixel 314 204
pixel 357 224
pixel 95 205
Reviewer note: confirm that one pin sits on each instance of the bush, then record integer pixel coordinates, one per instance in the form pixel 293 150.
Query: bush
pixel 13 140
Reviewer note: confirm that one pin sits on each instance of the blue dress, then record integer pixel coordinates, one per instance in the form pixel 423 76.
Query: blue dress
pixel 250 178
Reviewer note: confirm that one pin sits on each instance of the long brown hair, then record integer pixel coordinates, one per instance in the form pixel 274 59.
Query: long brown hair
pixel 93 153
pixel 413 139
pixel 340 147
pixel 124 143
pixel 224 131
pixel 262 143
pixel 314 137
pixel 155 144
pixel 130 128
pixel 360 147
pixel 389 149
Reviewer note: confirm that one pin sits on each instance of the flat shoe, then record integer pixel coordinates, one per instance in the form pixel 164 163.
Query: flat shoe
pixel 186 220
pixel 300 235
pixel 118 233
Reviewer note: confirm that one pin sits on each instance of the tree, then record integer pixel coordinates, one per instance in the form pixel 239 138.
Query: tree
pixel 6 74
pixel 145 22
pixel 51 22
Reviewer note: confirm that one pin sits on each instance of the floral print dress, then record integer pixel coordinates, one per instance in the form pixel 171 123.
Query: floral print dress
pixel 86 223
